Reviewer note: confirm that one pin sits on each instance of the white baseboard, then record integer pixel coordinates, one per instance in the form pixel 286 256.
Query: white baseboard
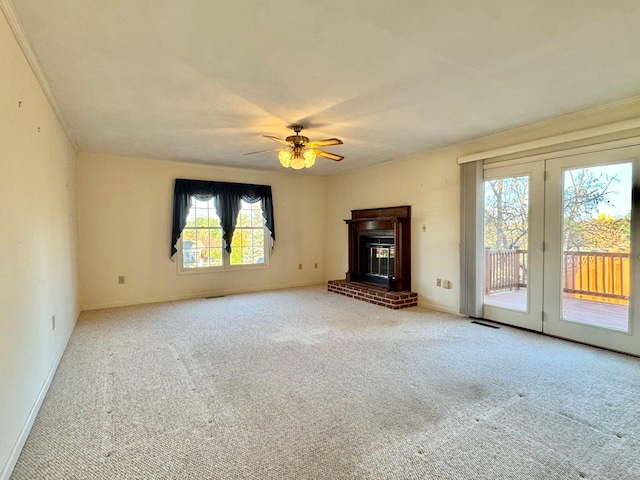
pixel 7 469
pixel 217 293
pixel 440 308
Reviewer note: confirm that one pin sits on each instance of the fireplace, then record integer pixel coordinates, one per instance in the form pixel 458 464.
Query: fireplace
pixel 379 258
pixel 380 247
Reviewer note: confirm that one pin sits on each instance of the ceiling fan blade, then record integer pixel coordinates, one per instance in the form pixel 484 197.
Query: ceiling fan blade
pixel 324 143
pixel 330 156
pixel 284 142
pixel 263 151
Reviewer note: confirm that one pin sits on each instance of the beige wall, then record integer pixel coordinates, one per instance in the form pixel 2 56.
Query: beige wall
pixel 124 208
pixel 38 267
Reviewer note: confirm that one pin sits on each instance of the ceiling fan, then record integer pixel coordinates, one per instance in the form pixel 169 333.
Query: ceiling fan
pixel 300 152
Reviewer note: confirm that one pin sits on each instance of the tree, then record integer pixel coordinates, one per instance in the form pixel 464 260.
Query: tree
pixel 604 232
pixel 506 213
pixel 584 190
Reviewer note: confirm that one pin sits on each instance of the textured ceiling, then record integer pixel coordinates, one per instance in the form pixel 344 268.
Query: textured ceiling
pixel 198 80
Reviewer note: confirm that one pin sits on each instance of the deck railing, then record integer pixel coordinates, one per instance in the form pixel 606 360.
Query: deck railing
pixel 504 270
pixel 598 274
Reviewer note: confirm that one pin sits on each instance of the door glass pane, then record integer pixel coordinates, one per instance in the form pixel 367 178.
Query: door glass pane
pixel 506 240
pixel 596 245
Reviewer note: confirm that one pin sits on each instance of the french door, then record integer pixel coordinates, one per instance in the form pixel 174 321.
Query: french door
pixel 561 240
pixel 591 279
pixel 513 236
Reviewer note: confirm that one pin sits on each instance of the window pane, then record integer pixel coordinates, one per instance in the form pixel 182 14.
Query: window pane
pixel 247 255
pixel 189 234
pixel 244 218
pixel 256 217
pixel 216 257
pixel 216 238
pixel 506 239
pixel 248 239
pixel 214 220
pixel 189 253
pixel 596 269
pixel 202 237
pixel 236 256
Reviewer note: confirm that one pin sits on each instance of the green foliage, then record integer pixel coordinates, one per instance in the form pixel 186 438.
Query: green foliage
pixel 247 246
pixel 603 232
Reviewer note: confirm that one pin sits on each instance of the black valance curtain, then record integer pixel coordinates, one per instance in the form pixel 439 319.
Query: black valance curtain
pixel 227 198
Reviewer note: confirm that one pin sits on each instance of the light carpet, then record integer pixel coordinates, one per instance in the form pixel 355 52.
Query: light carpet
pixel 307 384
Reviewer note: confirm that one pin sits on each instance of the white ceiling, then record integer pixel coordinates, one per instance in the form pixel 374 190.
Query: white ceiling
pixel 202 80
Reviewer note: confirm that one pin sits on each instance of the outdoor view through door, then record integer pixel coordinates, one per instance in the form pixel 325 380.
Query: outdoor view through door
pixel 596 237
pixel 506 241
pixel 596 244
pixel 561 246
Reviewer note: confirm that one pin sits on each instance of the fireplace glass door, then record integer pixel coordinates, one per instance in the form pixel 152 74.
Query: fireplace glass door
pixel 378 262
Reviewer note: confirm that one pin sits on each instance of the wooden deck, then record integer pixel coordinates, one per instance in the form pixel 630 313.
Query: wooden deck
pixel 609 315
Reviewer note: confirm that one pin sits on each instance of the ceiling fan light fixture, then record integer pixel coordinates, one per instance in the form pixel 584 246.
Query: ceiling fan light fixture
pixel 285 158
pixel 300 152
pixel 297 162
pixel 309 158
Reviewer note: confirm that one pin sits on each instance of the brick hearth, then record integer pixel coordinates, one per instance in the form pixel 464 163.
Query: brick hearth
pixel 373 294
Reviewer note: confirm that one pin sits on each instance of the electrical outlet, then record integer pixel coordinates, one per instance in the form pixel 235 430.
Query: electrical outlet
pixel 424 227
pixel 299 266
pixel 53 322
pixel 121 279
pixel 315 265
pixel 439 282
pixel 446 284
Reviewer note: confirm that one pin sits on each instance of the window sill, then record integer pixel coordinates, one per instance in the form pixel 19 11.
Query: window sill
pixel 234 268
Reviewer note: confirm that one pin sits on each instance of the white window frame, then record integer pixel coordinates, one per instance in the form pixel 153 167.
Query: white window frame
pixel 226 257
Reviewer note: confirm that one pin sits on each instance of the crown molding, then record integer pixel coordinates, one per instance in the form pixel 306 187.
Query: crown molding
pixel 584 134
pixel 9 12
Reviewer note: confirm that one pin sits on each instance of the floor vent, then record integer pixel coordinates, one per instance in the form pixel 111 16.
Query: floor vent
pixel 485 325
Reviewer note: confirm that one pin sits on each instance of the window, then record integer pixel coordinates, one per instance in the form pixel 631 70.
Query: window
pixel 227 225
pixel 202 238
pixel 248 239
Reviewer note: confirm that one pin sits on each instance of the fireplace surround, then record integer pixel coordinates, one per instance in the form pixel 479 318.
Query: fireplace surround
pixel 380 247
pixel 379 258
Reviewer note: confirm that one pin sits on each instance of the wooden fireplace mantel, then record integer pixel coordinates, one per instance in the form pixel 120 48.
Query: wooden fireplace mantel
pixel 392 222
